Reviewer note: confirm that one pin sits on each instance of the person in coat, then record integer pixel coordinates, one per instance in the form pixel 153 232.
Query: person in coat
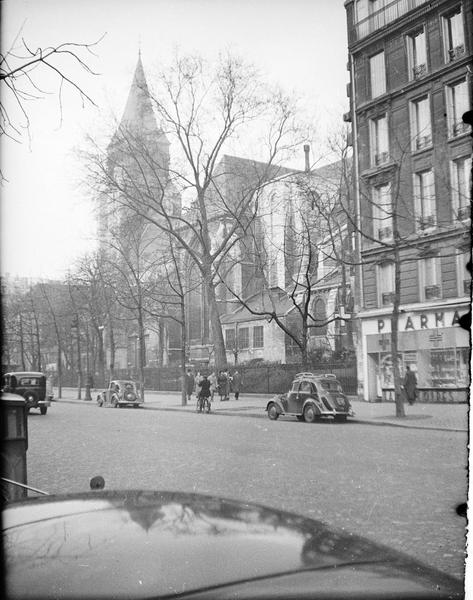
pixel 189 384
pixel 410 385
pixel 236 384
pixel 223 385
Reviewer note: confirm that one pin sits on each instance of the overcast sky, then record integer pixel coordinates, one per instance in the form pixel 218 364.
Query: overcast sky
pixel 47 216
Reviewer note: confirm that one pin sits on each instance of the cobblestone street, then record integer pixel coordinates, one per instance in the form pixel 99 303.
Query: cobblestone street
pixel 393 485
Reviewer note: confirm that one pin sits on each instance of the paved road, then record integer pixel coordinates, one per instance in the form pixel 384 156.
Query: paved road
pixel 393 485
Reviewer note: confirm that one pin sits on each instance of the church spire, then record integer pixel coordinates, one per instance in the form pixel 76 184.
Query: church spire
pixel 138 113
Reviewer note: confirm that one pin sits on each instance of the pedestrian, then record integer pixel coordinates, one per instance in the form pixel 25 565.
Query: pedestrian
pixel 189 384
pixel 236 384
pixel 222 384
pixel 213 385
pixel 410 385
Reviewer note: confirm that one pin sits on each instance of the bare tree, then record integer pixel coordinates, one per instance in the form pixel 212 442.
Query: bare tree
pixel 202 111
pixel 23 72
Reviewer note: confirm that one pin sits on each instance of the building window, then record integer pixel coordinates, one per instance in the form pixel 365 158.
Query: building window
pixel 229 339
pixel 457 103
pixel 377 75
pixel 464 277
pixel 243 338
pixel 421 128
pixel 386 283
pixel 382 213
pixel 430 278
pixel 424 200
pixel 258 337
pixel 454 39
pixel 461 186
pixel 379 141
pixel 416 54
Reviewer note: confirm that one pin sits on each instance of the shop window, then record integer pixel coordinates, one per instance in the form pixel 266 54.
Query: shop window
pixel 424 200
pixel 417 54
pixel 461 186
pixel 430 278
pixel 382 213
pixel 379 141
pixel 377 75
pixel 453 35
pixel 386 283
pixel 449 367
pixel 258 337
pixel 457 103
pixel 421 129
pixel 243 338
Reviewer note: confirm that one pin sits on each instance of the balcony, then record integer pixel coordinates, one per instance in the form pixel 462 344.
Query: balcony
pixel 456 52
pixel 381 158
pixel 459 128
pixel 423 141
pixel 464 213
pixel 432 291
pixel 419 71
pixel 426 222
pixel 389 13
pixel 385 233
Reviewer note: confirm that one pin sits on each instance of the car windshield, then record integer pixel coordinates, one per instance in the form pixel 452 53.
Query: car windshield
pixel 243 260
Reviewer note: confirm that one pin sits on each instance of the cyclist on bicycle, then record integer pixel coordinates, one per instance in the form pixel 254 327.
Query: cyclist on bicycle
pixel 204 394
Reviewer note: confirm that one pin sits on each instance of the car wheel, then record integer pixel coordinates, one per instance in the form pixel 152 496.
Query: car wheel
pixel 99 401
pixel 309 413
pixel 300 417
pixel 43 409
pixel 273 412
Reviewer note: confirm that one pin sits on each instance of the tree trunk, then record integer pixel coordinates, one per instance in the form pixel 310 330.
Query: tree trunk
pixel 216 326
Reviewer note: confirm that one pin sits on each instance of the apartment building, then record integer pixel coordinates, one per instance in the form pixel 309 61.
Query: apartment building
pixel 410 82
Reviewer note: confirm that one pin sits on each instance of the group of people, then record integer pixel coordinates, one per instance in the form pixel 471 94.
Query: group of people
pixel 221 384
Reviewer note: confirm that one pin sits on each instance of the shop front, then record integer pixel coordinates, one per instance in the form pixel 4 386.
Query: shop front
pixel 431 343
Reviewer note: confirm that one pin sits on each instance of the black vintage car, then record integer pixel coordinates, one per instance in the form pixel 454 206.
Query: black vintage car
pixel 156 544
pixel 312 397
pixel 32 385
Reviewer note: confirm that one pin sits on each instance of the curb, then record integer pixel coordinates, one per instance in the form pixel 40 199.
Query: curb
pixel 228 412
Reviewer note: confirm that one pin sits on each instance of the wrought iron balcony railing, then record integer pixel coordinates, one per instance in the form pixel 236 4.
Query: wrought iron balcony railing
pixel 389 13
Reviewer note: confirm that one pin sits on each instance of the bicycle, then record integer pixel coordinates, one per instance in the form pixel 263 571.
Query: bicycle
pixel 203 404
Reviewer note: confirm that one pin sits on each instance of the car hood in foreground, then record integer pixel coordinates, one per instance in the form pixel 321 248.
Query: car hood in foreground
pixel 141 544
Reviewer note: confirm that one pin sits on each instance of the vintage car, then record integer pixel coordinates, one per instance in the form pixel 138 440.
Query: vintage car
pixel 155 544
pixel 312 397
pixel 120 392
pixel 32 385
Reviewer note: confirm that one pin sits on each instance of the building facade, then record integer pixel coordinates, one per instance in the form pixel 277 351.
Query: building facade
pixel 410 83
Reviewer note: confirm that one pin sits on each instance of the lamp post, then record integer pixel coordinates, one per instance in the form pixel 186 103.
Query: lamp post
pixel 101 329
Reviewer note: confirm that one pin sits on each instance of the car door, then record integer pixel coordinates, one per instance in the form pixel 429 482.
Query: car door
pixel 291 398
pixel 296 400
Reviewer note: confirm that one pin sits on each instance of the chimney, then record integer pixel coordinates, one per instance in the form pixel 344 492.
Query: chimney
pixel 307 160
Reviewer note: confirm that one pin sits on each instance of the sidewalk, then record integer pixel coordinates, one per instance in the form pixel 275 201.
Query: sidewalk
pixel 445 417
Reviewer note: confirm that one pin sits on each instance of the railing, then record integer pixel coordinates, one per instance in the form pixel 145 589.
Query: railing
pixel 387 14
pixel 433 395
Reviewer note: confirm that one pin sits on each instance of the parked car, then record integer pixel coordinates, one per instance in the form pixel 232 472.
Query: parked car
pixel 32 385
pixel 312 397
pixel 120 392
pixel 152 544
